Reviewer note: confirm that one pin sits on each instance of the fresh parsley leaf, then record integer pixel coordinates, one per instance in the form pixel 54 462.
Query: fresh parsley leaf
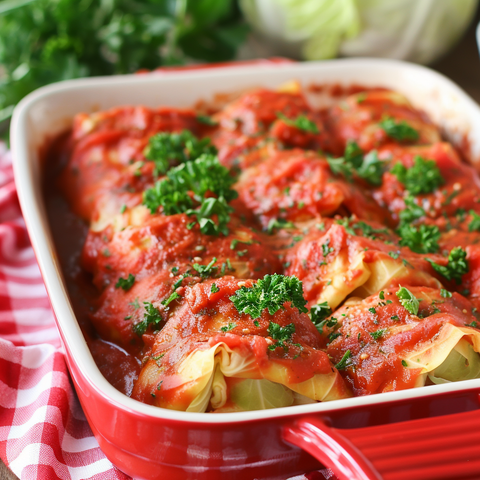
pixel 399 130
pixel 188 185
pixel 173 296
pixel 456 267
pixel 372 310
pixel 269 293
pixel 474 324
pixel 214 288
pixel 411 212
pixel 381 295
pixel 126 283
pixel 371 169
pixel 206 120
pixel 151 317
pixel 368 231
pixel 345 362
pixel 228 328
pixel 345 223
pixel 408 300
pixel 421 239
pixel 423 177
pixel 280 334
pixel 352 160
pixel 319 313
pixel 278 223
pixel 474 225
pixel 206 271
pixel 301 122
pixel 445 293
pixel 378 334
pixel 326 249
pixel 404 363
pixel 394 255
pixel 169 149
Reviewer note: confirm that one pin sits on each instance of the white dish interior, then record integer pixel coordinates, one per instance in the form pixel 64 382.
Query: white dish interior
pixel 49 110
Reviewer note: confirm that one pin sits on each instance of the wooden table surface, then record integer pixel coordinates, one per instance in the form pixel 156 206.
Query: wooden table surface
pixel 462 65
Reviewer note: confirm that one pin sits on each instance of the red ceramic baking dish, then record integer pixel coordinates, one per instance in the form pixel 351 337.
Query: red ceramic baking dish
pixel 420 433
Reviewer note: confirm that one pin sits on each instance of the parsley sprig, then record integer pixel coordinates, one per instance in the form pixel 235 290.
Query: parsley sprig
pixel 408 300
pixel 151 316
pixel 280 334
pixel 423 177
pixel 270 293
pixel 188 189
pixel 169 149
pixel 353 162
pixel 126 283
pixel 456 267
pixel 301 122
pixel 399 130
pixel 474 225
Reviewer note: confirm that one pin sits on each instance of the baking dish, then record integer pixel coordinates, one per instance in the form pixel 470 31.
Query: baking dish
pixel 148 442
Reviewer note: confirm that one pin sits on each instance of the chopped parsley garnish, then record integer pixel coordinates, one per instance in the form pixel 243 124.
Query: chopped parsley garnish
pixel 378 334
pixel 123 208
pixel 474 324
pixel 151 317
pixel 404 363
pixel 445 293
pixel 394 255
pixel 301 122
pixel 395 318
pixel 423 177
pixel 188 189
pixel 169 149
pixel 175 270
pixel 421 239
pixel 173 296
pixel 256 323
pixel 206 120
pixel 126 283
pixel 344 362
pixel 235 242
pixel 277 223
pixel 371 169
pixel 319 313
pixel 456 267
pixel 326 249
pixel 228 328
pixel 474 225
pixel 206 271
pixel 381 295
pixel 214 288
pixel 270 293
pixel 372 310
pixel 399 130
pixel 411 212
pixel 333 336
pixel 408 300
pixel 345 223
pixel 280 334
pixel 368 167
pixel 135 304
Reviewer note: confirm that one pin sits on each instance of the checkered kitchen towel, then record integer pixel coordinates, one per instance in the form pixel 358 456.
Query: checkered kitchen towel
pixel 43 431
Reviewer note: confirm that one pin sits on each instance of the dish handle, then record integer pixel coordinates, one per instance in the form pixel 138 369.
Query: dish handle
pixel 445 447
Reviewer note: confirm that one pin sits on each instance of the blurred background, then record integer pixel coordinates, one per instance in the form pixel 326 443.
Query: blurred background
pixel 45 41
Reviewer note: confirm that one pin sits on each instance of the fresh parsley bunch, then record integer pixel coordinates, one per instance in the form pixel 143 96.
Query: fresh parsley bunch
pixel 167 149
pixel 44 41
pixel 270 293
pixel 201 188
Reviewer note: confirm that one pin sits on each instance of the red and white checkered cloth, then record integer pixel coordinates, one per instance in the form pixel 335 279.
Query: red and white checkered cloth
pixel 43 431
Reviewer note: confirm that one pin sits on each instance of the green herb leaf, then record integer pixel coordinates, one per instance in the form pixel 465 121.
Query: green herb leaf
pixel 345 362
pixel 399 130
pixel 126 283
pixel 206 271
pixel 280 334
pixel 169 149
pixel 474 225
pixel 278 223
pixel 206 120
pixel 408 300
pixel 378 334
pixel 421 239
pixel 423 177
pixel 214 288
pixel 456 267
pixel 411 212
pixel 445 293
pixel 228 328
pixel 173 296
pixel 188 185
pixel 319 313
pixel 151 317
pixel 270 293
pixel 301 122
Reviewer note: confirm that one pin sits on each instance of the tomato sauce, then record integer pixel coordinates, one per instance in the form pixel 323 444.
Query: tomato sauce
pixel 317 195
